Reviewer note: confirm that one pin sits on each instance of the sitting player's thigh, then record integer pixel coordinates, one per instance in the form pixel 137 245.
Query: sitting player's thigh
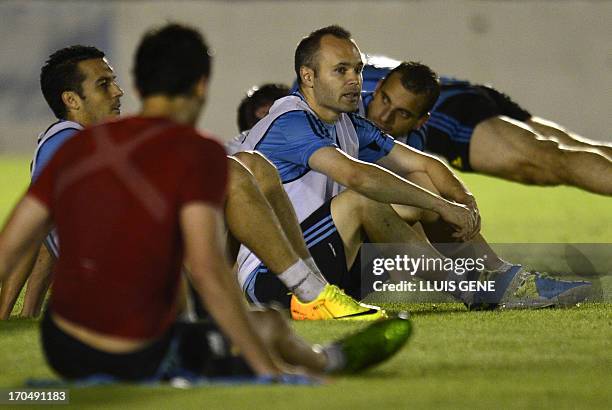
pixel 412 214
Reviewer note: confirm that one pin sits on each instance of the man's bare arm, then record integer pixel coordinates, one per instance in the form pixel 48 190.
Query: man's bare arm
pixel 25 229
pixel 403 160
pixel 12 285
pixel 38 283
pixel 384 186
pixel 217 286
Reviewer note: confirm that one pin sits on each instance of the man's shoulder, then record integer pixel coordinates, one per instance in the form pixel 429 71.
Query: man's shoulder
pixel 134 127
pixel 296 119
pixel 59 127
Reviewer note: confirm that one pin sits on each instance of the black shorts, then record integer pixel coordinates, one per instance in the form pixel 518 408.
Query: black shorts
pixel 452 121
pixel 186 350
pixel 327 250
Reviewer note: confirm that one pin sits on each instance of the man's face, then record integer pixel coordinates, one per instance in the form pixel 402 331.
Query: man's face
pixel 396 110
pixel 101 93
pixel 337 79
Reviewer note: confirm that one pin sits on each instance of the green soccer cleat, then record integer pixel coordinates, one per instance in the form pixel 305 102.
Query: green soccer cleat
pixel 374 344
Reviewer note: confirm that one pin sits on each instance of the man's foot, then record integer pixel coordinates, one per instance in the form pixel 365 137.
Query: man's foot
pixel 333 303
pixel 517 288
pixel 373 345
pixel 532 290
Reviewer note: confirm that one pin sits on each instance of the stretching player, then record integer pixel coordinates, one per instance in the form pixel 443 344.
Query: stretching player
pixel 80 88
pixel 129 198
pixel 301 136
pixel 477 128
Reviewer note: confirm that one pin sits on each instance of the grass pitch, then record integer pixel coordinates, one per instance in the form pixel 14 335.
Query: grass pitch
pixel 552 358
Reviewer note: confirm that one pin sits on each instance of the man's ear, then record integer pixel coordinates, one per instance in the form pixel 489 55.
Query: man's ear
pixel 201 87
pixel 422 120
pixel 307 76
pixel 71 100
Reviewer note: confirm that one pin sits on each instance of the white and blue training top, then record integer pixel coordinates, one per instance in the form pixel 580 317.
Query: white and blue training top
pixel 288 136
pixel 48 144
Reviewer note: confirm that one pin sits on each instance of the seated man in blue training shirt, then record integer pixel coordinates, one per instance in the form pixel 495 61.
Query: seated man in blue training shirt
pixel 313 138
pixel 81 89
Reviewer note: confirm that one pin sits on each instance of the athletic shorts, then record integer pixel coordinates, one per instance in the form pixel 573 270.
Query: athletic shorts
pixel 327 250
pixel 452 121
pixel 186 350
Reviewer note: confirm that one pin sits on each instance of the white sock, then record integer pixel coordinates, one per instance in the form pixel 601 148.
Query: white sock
pixel 302 281
pixel 314 268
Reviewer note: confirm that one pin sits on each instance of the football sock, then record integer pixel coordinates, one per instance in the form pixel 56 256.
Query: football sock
pixel 314 268
pixel 302 281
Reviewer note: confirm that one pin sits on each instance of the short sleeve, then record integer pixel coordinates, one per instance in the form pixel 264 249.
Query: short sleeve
pixel 43 187
pixel 206 172
pixel 373 143
pixel 290 141
pixel 294 137
pixel 49 148
pixel 417 139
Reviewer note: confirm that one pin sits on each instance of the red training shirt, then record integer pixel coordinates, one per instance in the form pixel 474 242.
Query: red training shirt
pixel 114 192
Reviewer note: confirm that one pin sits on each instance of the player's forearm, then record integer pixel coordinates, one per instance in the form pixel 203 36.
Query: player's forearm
pixel 446 182
pixel 38 283
pixel 384 186
pixel 13 283
pixel 223 300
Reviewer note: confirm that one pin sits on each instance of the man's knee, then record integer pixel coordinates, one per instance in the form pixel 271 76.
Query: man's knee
pixel 240 176
pixel 361 207
pixel 260 166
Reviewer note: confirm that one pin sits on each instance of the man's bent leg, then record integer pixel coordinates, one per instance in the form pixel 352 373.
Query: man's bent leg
pixel 356 216
pixel 439 232
pixel 252 221
pixel 269 183
pixel 257 227
pixel 508 149
pixel 38 284
pixel 568 138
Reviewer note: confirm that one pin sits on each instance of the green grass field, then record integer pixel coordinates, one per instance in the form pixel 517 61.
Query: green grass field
pixel 553 358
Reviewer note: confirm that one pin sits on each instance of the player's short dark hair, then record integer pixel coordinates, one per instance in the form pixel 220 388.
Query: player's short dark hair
pixel 255 98
pixel 61 73
pixel 307 49
pixel 420 80
pixel 170 60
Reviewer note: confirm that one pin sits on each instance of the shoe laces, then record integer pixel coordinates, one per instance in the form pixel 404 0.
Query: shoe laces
pixel 337 295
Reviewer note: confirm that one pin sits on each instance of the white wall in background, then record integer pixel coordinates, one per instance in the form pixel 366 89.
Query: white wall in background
pixel 555 58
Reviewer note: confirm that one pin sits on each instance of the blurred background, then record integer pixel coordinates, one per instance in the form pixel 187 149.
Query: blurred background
pixel 553 57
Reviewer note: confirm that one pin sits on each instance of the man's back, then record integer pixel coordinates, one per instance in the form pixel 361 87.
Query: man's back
pixel 115 191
